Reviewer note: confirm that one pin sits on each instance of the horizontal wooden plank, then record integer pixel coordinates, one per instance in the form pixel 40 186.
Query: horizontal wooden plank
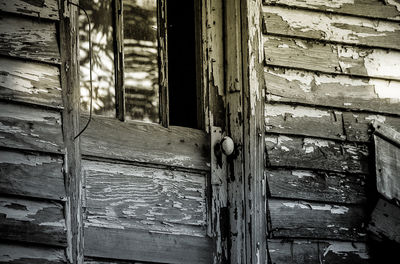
pixel 173 146
pixel 312 153
pixel 331 27
pixel 317 186
pixel 358 126
pixel 29 38
pixel 146 246
pixel 301 219
pixel 387 157
pixel 385 221
pixel 162 200
pixel 29 82
pixel 32 221
pixel 30 254
pixel 41 9
pixel 332 58
pixel 298 86
pixel 306 121
pixel 371 8
pixel 89 260
pixel 302 251
pixel 31 174
pixel 30 128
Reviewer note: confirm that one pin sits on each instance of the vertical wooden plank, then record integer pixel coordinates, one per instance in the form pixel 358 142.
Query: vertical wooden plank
pixel 72 168
pixel 253 148
pixel 163 61
pixel 119 59
pixel 234 99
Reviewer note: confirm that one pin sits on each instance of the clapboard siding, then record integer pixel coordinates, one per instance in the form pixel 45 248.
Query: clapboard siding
pixel 366 8
pixel 31 174
pixel 30 82
pixel 323 123
pixel 307 121
pixel 331 58
pixel 322 186
pixel 311 153
pixel 30 254
pixel 41 9
pixel 30 128
pixel 29 38
pixel 302 251
pixel 302 219
pixel 128 244
pixel 160 200
pixel 350 93
pixel 146 143
pixel 331 27
pixel 32 221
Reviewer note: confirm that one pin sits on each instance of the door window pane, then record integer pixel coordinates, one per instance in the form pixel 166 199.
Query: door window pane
pixel 141 60
pixel 101 16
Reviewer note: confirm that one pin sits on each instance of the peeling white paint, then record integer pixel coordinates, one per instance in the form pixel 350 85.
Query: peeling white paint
pixel 379 118
pixel 302 174
pixel 317 3
pixel 316 142
pixel 334 209
pixel 294 111
pixel 345 247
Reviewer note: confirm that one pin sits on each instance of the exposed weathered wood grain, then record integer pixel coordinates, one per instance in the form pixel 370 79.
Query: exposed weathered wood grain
pixel 30 82
pixel 303 219
pixel 385 221
pixel 30 254
pixel 389 132
pixel 317 252
pixel 331 27
pixel 331 58
pixel 306 87
pixel 387 163
pixel 306 121
pixel 31 174
pixel 146 246
pixel 28 38
pixel 358 126
pixel 30 128
pixel 32 221
pixel 41 9
pixel 317 185
pixel 311 153
pixel 162 200
pixel 89 260
pixel 389 9
pixel 151 143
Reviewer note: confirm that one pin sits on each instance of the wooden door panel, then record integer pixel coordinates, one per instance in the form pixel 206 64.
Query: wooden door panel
pixel 146 143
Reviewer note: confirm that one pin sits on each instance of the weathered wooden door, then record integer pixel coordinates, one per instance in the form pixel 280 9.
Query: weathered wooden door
pixel 146 186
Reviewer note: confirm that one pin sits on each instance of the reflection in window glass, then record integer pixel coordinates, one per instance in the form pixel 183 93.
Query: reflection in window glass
pixel 100 13
pixel 141 60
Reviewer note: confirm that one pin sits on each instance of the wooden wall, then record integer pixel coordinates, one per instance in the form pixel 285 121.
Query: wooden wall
pixel 331 68
pixel 33 226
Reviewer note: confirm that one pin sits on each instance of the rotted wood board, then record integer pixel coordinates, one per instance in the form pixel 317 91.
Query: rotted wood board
pixel 317 186
pixel 387 157
pixel 30 82
pixel 32 221
pixel 389 9
pixel 32 174
pixel 306 87
pixel 331 27
pixel 312 153
pixel 331 58
pixel 146 143
pixel 139 245
pixel 302 219
pixel 302 251
pixel 30 128
pixel 159 200
pixel 306 121
pixel 29 38
pixel 41 9
pixel 358 126
pixel 30 254
pixel 385 221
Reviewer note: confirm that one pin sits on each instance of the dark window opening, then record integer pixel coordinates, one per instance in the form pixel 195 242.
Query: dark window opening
pixel 182 63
